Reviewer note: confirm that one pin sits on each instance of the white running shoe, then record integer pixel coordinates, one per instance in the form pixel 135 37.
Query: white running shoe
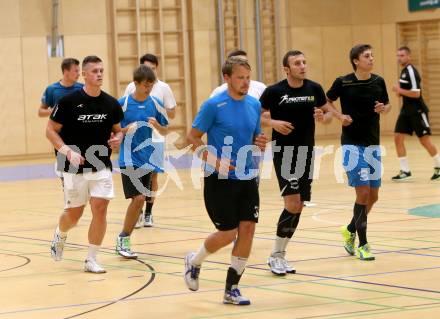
pixel 140 221
pixel 191 273
pixel 92 266
pixel 289 269
pixel 123 248
pixel 57 246
pixel 276 265
pixel 148 221
pixel 234 297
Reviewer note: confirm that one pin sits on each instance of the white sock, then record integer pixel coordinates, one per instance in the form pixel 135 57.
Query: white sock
pixel 93 251
pixel 238 263
pixel 61 233
pixel 280 245
pixel 404 165
pixel 285 243
pixel 200 256
pixel 436 159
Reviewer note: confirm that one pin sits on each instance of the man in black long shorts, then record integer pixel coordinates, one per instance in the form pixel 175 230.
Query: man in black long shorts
pixel 413 117
pixel 294 103
pixel 231 120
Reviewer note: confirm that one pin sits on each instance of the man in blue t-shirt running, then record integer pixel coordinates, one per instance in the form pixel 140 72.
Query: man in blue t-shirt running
pixel 231 120
pixel 59 89
pixel 138 155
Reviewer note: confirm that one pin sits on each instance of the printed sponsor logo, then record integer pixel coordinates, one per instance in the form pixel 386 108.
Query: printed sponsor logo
pixel 296 99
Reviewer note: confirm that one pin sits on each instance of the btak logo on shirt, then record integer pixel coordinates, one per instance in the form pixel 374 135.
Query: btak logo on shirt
pixel 88 118
pixel 296 99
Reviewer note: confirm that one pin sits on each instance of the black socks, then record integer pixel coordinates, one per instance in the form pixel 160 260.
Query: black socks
pixel 232 279
pixel 287 224
pixel 360 221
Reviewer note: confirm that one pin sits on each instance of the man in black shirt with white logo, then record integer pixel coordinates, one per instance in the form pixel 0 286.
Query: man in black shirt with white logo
pixel 363 98
pixel 84 129
pixel 294 104
pixel 413 117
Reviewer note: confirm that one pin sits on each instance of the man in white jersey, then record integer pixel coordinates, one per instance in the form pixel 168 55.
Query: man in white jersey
pixel 162 91
pixel 255 88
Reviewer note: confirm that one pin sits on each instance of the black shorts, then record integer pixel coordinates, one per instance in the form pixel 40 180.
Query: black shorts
pixel 409 123
pixel 229 202
pixel 295 172
pixel 135 182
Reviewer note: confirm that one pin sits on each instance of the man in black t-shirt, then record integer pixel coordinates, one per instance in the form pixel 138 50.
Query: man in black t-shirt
pixel 363 98
pixel 413 117
pixel 84 129
pixel 294 104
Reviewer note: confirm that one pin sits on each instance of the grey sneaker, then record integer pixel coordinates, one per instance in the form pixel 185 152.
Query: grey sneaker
pixel 276 265
pixel 123 248
pixel 191 273
pixel 289 269
pixel 148 221
pixel 57 246
pixel 234 297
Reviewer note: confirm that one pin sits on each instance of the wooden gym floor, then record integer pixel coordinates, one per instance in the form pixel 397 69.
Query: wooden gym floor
pixel 403 282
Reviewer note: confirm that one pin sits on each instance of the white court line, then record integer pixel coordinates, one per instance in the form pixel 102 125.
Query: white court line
pixel 316 217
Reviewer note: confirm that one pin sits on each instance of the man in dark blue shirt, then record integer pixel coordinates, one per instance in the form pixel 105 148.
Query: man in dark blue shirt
pixel 59 89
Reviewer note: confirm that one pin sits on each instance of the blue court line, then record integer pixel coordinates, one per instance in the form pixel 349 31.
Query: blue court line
pixel 148 297
pixel 106 302
pixel 186 293
pixel 27 172
pixel 393 272
pixel 258 268
pixel 343 278
pixel 47 171
pixel 405 251
pixel 378 251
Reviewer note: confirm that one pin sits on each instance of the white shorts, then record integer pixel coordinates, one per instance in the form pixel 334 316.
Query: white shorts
pixel 78 188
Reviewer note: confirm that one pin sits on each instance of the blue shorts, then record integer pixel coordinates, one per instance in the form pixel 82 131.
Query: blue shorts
pixel 362 165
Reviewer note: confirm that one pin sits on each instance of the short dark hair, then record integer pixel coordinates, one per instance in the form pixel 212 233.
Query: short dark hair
pixel 67 64
pixel 404 48
pixel 289 54
pixel 144 73
pixel 237 53
pixel 150 58
pixel 233 61
pixel 356 51
pixel 90 59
